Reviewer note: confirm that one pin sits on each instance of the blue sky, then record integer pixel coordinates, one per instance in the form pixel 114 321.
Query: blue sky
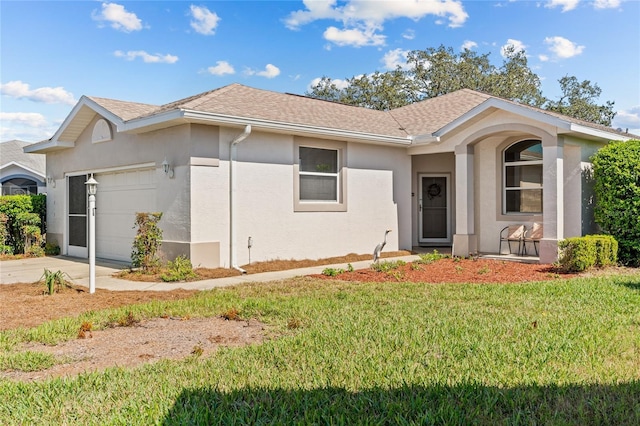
pixel 53 52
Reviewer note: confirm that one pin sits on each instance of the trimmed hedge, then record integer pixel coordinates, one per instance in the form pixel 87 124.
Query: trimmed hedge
pixel 581 253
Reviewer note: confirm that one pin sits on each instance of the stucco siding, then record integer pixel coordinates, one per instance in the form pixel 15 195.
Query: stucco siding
pixel 265 176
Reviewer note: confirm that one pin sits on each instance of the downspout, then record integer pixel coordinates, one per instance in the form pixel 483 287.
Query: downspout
pixel 232 189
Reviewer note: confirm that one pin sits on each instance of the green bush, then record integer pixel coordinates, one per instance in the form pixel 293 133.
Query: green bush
pixel 616 172
pixel 22 224
pixel 180 269
pixel 606 249
pixel 147 241
pixel 578 254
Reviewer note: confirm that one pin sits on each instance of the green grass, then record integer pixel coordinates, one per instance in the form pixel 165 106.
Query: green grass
pixel 560 352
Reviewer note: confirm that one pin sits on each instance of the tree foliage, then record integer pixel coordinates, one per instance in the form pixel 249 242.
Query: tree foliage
pixel 616 171
pixel 578 100
pixel 437 71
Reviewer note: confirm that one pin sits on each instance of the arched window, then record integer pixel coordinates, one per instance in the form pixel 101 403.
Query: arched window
pixel 522 164
pixel 19 186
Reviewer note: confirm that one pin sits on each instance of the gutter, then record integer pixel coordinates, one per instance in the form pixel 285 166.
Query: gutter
pixel 233 152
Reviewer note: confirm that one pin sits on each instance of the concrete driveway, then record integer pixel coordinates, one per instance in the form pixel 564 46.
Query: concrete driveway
pixel 31 269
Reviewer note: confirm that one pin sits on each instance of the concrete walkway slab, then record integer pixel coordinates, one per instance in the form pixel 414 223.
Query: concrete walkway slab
pixel 31 270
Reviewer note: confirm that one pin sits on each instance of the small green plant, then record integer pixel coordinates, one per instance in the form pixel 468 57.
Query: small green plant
pixel 427 258
pixel 51 249
pixel 180 269
pixel 484 270
pixel 349 267
pixel 147 241
pixel 53 281
pixel 387 265
pixel 332 272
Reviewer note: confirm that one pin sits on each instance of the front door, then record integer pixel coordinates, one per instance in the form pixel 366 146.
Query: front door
pixel 434 209
pixel 77 216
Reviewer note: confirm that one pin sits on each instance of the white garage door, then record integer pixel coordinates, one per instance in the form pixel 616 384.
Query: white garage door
pixel 120 196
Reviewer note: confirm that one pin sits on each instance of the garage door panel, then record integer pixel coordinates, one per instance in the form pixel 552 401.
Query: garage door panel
pixel 120 196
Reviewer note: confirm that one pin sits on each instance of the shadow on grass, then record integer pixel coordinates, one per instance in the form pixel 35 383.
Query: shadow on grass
pixel 463 404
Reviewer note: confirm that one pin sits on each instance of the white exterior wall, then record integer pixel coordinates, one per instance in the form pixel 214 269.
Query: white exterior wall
pixel 378 196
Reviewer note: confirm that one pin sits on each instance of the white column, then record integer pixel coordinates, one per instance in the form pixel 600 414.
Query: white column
pixel 464 239
pixel 92 244
pixel 552 199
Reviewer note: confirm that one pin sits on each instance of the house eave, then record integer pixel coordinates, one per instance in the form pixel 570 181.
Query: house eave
pixel 48 146
pixel 176 117
pixel 595 134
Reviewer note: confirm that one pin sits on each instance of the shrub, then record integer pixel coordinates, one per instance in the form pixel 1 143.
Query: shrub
pixel 51 249
pixel 427 258
pixel 606 249
pixel 581 253
pixel 180 269
pixel 147 241
pixel 616 172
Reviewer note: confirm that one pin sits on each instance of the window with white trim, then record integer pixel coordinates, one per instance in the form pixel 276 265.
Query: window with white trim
pixel 318 173
pixel 522 171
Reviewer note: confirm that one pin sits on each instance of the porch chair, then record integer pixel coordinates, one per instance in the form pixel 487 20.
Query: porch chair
pixel 513 234
pixel 533 236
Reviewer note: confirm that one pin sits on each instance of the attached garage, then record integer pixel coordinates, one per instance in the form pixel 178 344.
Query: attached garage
pixel 121 195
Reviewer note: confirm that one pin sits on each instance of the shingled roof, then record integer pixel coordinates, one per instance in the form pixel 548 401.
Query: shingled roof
pixel 237 104
pixel 12 152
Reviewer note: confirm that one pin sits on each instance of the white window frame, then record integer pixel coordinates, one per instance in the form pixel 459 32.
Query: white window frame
pixel 505 165
pixel 337 205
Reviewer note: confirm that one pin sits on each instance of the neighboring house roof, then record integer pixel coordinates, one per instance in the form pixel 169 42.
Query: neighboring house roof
pixel 12 153
pixel 265 110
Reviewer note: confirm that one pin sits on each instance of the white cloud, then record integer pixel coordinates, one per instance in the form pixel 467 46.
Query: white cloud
pixel 270 71
pixel 25 126
pixel 204 21
pixel 395 58
pixel 118 17
pixel 340 84
pixel 409 34
pixel 359 17
pixel 566 5
pixel 606 4
pixel 468 44
pixel 221 68
pixel 48 95
pixel 146 57
pixel 543 58
pixel 629 119
pixel 517 45
pixel 563 48
pixel 354 37
pixel 32 119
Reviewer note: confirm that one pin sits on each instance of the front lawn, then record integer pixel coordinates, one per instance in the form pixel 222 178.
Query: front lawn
pixel 556 352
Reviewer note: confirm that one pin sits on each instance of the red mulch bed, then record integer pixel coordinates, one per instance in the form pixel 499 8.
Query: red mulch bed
pixel 458 270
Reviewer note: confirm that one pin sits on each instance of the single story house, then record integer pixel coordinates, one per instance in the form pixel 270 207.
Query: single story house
pixel 21 173
pixel 243 174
